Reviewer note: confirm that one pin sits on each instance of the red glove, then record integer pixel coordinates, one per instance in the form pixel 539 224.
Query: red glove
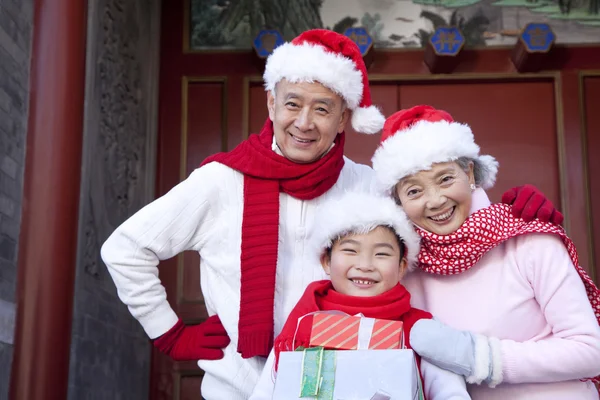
pixel 529 203
pixel 194 342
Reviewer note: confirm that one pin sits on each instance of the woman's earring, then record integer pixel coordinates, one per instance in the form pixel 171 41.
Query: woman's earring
pixel 473 187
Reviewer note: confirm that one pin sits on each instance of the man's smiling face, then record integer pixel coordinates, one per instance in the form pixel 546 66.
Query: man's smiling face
pixel 306 119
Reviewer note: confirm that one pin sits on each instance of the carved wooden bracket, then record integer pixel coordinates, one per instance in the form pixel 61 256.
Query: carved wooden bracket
pixel 532 48
pixel 443 48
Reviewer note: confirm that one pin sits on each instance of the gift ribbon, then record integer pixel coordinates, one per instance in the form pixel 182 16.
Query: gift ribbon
pixel 312 362
pixel 328 374
pixel 318 373
pixel 365 331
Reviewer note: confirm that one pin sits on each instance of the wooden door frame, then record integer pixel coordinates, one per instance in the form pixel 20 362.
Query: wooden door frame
pixel 595 267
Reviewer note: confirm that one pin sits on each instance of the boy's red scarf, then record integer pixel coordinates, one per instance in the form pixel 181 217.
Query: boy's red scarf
pixel 481 232
pixel 266 174
pixel 320 296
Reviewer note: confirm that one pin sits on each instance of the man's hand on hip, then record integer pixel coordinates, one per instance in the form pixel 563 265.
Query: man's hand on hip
pixel 194 342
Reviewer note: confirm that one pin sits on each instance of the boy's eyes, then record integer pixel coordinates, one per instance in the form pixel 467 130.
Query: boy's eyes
pixel 348 250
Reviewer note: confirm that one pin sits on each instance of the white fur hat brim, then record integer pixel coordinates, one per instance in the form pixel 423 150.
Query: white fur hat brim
pixel 313 63
pixel 358 212
pixel 424 144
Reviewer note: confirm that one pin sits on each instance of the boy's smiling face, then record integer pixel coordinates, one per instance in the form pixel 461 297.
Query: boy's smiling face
pixel 365 264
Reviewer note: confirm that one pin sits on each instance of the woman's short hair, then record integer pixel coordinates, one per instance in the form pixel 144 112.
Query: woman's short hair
pixel 480 171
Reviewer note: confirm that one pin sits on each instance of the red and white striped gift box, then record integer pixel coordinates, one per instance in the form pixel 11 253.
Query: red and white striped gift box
pixel 334 331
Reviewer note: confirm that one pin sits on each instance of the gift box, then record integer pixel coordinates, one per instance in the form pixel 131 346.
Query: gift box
pixel 346 332
pixel 320 374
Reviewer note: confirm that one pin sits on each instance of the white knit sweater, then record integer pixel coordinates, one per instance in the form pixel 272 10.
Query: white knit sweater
pixel 204 213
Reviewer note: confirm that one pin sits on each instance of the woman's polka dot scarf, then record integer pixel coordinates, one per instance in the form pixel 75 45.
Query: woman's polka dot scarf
pixel 481 232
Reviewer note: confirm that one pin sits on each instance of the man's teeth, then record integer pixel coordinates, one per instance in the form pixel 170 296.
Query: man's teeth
pixel 362 282
pixel 444 216
pixel 302 140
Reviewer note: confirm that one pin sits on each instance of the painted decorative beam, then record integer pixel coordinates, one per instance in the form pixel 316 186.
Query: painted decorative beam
pixel 268 39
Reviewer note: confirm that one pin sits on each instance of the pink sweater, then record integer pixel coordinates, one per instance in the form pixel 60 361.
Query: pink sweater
pixel 527 293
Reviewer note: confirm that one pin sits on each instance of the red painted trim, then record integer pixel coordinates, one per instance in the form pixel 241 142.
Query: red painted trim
pixel 48 240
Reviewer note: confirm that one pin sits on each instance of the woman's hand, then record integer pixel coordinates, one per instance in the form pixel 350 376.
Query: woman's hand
pixel 474 356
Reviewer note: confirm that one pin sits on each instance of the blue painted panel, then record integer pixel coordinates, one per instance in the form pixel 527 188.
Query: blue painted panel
pixel 361 37
pixel 538 37
pixel 447 41
pixel 266 41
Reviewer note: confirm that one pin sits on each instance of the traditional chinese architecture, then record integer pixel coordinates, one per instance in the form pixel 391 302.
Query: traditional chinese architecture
pixel 106 105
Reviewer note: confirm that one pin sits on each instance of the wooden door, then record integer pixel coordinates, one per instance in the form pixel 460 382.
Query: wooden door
pixel 210 102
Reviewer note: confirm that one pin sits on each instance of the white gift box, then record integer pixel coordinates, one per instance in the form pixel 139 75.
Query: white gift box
pixel 359 375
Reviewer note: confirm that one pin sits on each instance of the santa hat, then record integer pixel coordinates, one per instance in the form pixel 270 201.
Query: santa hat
pixel 332 59
pixel 360 213
pixel 414 139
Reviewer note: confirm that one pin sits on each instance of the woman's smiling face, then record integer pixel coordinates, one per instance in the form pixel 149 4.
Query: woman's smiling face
pixel 437 200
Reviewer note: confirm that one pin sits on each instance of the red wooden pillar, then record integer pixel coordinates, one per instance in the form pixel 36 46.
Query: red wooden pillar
pixel 48 239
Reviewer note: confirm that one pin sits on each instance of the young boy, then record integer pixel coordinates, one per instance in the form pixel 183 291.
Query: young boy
pixel 365 244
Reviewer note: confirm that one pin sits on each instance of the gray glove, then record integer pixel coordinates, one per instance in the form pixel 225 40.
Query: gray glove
pixel 476 357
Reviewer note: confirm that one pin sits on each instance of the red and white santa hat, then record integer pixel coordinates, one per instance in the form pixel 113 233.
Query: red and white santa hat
pixel 360 213
pixel 332 59
pixel 414 139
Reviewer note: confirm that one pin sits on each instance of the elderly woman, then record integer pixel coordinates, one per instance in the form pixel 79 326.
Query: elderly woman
pixel 514 309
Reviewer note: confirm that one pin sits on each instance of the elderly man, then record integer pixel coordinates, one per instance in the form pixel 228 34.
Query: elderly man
pixel 249 213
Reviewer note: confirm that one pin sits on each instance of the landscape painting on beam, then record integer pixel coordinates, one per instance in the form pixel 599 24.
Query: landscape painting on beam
pixel 232 24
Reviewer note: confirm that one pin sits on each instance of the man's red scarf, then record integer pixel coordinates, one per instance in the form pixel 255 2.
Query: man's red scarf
pixel 481 232
pixel 320 296
pixel 266 174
